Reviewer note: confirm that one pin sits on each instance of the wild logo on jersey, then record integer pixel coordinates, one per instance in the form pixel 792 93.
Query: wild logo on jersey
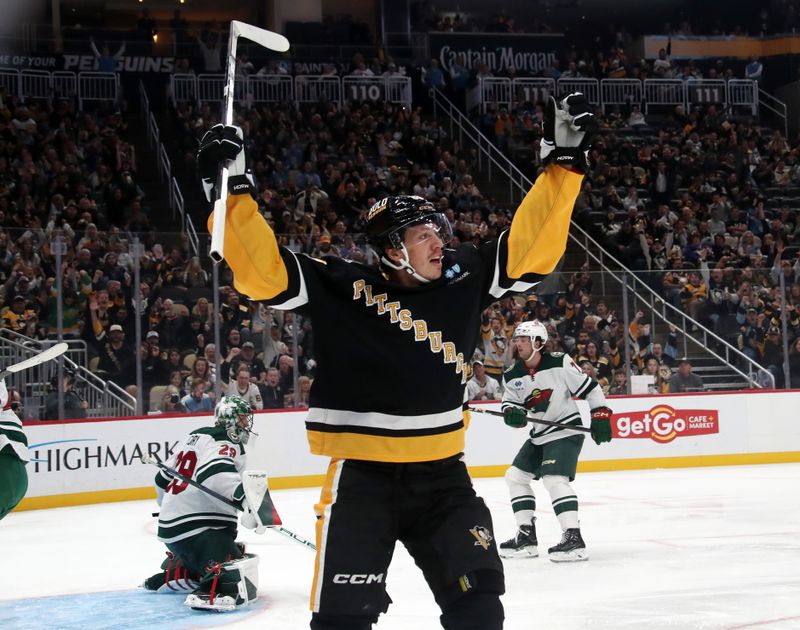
pixel 539 400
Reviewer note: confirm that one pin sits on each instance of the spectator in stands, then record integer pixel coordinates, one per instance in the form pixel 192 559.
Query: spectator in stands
pixel 684 380
pixel 234 314
pixel 243 387
pixel 481 386
pixel 200 371
pixel 434 77
pixel 154 370
pixel 18 316
pixel 273 346
pixel 197 400
pixel 271 391
pixel 202 311
pixel 496 348
pixel 754 69
pixel 104 60
pixel 772 356
pixel 115 355
pixel 194 277
pixel 74 406
pixel 619 386
pixel 210 44
pixel 171 401
pixel 247 358
pixel 794 363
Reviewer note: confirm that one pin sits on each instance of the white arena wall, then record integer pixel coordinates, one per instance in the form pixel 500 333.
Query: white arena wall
pixel 95 461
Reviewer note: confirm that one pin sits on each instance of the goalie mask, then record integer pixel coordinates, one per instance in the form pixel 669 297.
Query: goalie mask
pixel 388 220
pixel 534 330
pixel 236 415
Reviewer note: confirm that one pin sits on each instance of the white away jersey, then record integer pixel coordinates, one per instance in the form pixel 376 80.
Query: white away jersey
pixel 547 394
pixel 11 433
pixel 209 457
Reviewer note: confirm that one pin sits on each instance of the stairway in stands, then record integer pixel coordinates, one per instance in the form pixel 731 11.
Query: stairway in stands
pixel 715 375
pixel 149 180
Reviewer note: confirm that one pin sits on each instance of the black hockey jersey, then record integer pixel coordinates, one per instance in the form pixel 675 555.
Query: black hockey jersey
pixel 391 360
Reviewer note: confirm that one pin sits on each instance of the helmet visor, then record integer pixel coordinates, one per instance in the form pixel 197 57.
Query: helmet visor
pixel 439 227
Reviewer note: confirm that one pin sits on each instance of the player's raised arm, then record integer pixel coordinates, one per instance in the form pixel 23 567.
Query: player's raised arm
pixel 251 249
pixel 538 235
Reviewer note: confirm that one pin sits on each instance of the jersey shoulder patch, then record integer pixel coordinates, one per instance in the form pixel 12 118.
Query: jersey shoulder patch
pixel 551 360
pixel 517 370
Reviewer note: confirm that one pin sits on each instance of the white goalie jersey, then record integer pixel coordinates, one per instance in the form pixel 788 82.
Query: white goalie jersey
pixel 209 457
pixel 547 394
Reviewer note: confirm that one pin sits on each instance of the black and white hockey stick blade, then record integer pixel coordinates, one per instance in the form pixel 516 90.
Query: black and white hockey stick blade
pixel 260 36
pixel 46 355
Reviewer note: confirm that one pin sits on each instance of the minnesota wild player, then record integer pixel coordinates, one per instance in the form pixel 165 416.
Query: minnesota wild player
pixel 541 385
pixel 13 455
pixel 198 529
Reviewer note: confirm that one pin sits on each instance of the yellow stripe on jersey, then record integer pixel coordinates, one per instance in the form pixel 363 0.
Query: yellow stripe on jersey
pixel 538 235
pixel 322 510
pixel 387 448
pixel 251 250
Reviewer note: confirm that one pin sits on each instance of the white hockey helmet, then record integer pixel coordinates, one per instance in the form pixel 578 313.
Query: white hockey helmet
pixel 533 329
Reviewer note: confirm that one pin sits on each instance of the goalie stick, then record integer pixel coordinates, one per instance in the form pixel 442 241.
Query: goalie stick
pixel 491 412
pixel 149 459
pixel 267 39
pixel 46 355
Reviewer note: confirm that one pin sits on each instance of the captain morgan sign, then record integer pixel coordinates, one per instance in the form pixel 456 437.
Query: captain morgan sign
pixel 527 54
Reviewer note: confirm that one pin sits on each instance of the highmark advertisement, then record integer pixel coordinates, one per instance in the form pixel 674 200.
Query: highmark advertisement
pixel 100 460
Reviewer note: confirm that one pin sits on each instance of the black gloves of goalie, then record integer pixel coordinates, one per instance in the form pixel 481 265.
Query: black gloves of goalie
pixel 568 130
pixel 224 146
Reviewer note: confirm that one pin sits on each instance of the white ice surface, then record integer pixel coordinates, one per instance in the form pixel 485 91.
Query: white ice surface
pixel 711 548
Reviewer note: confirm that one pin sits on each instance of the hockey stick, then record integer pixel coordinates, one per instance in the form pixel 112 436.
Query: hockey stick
pixel 267 39
pixel 46 355
pixel 547 422
pixel 149 459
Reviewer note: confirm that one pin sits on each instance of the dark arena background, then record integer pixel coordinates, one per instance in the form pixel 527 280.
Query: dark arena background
pixel 679 291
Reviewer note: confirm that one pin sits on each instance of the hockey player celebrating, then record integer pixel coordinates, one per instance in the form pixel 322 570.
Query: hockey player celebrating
pixel 541 385
pixel 200 530
pixel 396 439
pixel 13 455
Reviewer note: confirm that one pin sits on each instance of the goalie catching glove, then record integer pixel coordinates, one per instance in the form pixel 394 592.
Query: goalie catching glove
pixel 224 146
pixel 568 130
pixel 601 424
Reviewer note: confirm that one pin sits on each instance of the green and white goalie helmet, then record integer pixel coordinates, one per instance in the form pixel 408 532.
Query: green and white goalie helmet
pixel 236 415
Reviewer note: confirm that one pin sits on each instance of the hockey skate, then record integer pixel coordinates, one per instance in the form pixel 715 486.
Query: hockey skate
pixel 570 549
pixel 524 543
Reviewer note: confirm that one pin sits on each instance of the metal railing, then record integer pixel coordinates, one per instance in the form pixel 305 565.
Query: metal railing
pixel 491 158
pixel 281 88
pixel 83 86
pixel 176 202
pixel 105 399
pixel 776 107
pixel 505 92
